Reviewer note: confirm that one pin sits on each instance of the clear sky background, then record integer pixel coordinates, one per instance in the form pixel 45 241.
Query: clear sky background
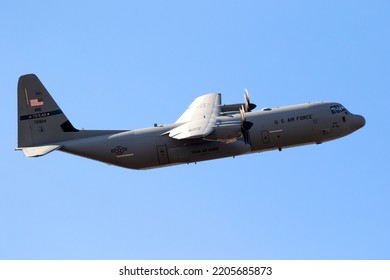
pixel 129 64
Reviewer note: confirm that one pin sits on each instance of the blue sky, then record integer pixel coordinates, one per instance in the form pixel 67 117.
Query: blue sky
pixel 129 64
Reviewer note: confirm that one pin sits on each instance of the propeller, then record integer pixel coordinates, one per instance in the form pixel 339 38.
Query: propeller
pixel 245 125
pixel 248 106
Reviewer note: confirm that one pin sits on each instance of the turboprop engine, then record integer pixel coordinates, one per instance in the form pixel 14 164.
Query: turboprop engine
pixel 233 125
pixel 235 108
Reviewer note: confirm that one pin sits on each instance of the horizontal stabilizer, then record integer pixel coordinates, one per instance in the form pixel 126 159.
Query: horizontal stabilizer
pixel 39 151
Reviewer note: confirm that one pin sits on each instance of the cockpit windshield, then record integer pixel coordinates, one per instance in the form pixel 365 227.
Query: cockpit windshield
pixel 336 109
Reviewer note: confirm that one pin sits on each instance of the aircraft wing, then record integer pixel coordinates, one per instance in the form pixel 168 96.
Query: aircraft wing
pixel 199 120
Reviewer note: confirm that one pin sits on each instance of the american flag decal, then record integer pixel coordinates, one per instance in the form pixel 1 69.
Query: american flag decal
pixel 36 102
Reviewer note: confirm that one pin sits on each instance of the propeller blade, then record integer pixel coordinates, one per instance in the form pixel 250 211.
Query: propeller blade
pixel 248 105
pixel 245 125
pixel 246 136
pixel 247 101
pixel 242 113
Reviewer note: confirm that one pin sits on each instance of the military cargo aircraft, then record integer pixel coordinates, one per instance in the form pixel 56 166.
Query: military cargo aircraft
pixel 206 130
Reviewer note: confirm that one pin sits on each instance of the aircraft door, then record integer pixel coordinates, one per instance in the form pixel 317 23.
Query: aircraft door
pixel 162 154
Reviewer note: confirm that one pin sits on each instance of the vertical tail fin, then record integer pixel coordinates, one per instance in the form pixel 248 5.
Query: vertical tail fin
pixel 40 121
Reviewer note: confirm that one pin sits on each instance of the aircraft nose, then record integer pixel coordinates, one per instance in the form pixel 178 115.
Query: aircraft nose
pixel 357 122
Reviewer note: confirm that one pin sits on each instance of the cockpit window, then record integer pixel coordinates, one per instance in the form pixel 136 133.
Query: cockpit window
pixel 336 109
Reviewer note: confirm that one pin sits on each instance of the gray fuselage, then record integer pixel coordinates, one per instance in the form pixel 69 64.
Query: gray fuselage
pixel 275 128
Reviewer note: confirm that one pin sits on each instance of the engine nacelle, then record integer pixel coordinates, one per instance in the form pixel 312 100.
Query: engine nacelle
pixel 226 132
pixel 234 108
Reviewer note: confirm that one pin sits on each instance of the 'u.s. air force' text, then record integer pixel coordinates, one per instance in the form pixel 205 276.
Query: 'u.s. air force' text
pixel 294 119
